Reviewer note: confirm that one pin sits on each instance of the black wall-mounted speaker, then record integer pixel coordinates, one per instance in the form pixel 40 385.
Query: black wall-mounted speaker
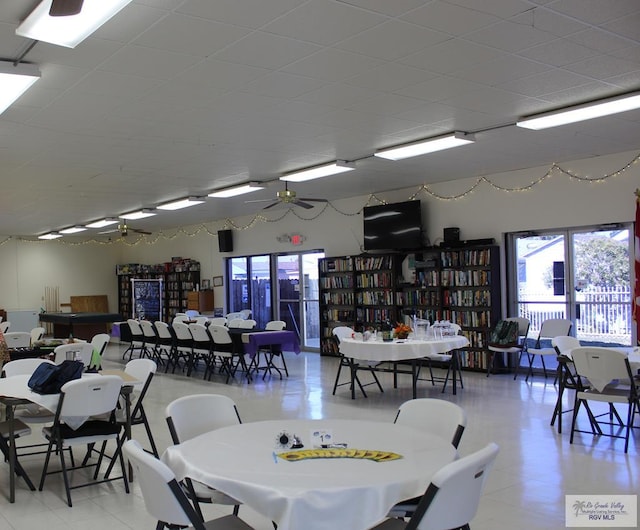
pixel 225 240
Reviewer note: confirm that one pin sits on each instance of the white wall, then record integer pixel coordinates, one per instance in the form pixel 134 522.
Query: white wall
pixel 28 267
pixel 557 201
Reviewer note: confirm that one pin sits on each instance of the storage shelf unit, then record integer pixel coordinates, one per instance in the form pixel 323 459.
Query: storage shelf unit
pixel 180 276
pixel 461 285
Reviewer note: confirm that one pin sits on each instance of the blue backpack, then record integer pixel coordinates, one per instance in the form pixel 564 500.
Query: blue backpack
pixel 49 378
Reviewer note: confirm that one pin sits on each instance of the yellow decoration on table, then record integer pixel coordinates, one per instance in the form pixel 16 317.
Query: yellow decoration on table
pixel 366 454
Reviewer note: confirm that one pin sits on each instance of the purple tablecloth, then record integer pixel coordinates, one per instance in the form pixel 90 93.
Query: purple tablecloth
pixel 287 340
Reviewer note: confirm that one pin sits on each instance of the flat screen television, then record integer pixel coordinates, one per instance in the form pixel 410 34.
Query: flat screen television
pixel 395 226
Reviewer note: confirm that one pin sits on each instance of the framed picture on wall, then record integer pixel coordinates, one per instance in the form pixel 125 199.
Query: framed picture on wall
pixel 205 285
pixel 217 281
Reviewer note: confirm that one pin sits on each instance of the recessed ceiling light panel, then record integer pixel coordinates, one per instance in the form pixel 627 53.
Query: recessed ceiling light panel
pixel 68 31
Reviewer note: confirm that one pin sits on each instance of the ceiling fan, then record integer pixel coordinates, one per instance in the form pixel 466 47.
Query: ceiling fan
pixel 288 196
pixel 65 8
pixel 124 230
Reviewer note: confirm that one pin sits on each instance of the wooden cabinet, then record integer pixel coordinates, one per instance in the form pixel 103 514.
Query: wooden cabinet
pixel 201 301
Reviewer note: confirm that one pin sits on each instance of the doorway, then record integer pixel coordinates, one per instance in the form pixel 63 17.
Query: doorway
pixel 297 296
pixel 583 274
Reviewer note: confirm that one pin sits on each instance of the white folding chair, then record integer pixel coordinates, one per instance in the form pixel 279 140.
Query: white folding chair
pixel 272 352
pixel 86 399
pixel 165 499
pixel 99 343
pixel 453 497
pixel 340 332
pixel 566 374
pixel 523 330
pixel 450 360
pixel 143 371
pixel 435 416
pixel 224 349
pixel 183 346
pixel 17 339
pixel 29 413
pixel 550 328
pixel 202 347
pixel 165 341
pixel 37 334
pixel 137 338
pixel 190 416
pixel 610 381
pixel 76 351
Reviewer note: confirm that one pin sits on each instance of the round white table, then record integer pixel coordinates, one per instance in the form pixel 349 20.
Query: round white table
pixel 314 493
pixel 398 350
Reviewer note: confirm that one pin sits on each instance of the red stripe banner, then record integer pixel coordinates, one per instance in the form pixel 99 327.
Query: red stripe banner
pixel 636 289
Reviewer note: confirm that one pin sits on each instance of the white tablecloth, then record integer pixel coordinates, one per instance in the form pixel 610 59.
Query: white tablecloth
pixel 339 493
pixel 16 387
pixel 399 350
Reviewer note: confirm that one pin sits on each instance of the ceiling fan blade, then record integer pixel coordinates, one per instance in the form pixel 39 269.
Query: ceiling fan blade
pixel 303 204
pixel 312 200
pixel 112 231
pixel 271 205
pixel 258 200
pixel 65 8
pixel 138 231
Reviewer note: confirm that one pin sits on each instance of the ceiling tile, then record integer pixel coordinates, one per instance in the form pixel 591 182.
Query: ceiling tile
pixel 193 36
pixel 500 8
pixel 149 62
pixel 391 40
pixel 509 36
pixel 390 77
pixel 332 65
pixel 323 22
pixel 394 9
pixel 595 11
pixel 265 50
pixel 282 85
pixel 449 18
pixel 545 83
pixel 627 26
pixel 493 73
pixel 243 13
pixel 452 55
pixel 558 52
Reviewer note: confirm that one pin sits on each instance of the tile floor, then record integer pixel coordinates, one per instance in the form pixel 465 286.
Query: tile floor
pixel 535 469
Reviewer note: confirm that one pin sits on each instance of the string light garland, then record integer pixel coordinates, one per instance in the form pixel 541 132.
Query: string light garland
pixel 260 218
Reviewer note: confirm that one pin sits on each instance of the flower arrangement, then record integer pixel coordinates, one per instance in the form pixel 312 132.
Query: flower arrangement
pixel 401 331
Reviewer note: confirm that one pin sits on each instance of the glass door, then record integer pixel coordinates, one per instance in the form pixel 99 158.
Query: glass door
pixel 579 274
pixel 298 300
pixel 249 287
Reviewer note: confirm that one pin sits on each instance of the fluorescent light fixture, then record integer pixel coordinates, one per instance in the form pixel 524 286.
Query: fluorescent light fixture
pixel 71 30
pixel 339 166
pixel 50 235
pixel 181 203
pixel 140 214
pixel 15 81
pixel 236 190
pixel 73 230
pixel 107 221
pixel 423 147
pixel 587 111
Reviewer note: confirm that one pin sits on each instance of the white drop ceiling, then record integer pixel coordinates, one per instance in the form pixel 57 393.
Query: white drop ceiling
pixel 175 98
